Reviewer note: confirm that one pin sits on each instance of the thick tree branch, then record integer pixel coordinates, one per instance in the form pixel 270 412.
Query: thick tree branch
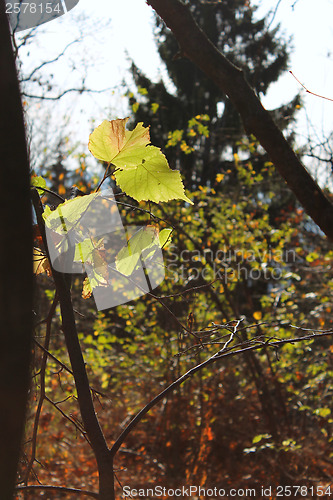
pixel 195 45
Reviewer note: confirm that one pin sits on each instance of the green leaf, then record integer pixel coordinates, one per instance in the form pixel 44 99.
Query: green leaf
pixel 154 107
pixel 142 91
pixel 138 245
pixel 259 437
pixel 312 256
pixel 322 412
pixel 150 178
pixel 106 140
pixel 135 107
pixel 165 237
pixel 110 141
pixel 86 250
pixel 142 171
pixel 38 182
pixel 66 215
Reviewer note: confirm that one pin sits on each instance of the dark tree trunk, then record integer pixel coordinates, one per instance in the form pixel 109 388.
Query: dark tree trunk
pixel 15 266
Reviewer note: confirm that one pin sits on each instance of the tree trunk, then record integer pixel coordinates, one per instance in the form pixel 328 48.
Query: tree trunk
pixel 16 283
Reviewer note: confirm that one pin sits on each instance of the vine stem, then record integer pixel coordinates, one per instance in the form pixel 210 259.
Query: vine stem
pixel 91 424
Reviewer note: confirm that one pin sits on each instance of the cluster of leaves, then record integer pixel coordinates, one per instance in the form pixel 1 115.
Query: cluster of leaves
pixel 142 172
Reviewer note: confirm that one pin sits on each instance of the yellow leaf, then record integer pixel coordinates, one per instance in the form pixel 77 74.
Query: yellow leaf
pixel 40 262
pixel 109 138
pixel 257 315
pixel 87 290
pixel 142 171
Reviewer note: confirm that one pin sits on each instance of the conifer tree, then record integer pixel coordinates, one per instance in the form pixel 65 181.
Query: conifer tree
pixel 251 45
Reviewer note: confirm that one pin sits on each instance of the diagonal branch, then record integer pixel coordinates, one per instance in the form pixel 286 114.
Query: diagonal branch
pixel 195 45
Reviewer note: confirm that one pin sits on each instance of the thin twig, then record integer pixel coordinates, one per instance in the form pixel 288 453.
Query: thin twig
pixel 59 96
pixel 67 369
pixel 45 63
pixel 71 420
pixel 42 385
pixel 188 290
pixel 309 91
pixel 51 192
pixel 35 487
pixel 273 15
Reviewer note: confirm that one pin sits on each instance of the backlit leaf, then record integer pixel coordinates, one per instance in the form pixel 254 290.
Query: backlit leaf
pixel 110 141
pixel 87 289
pixel 150 178
pixel 165 237
pixel 142 171
pixel 38 182
pixel 66 215
pixel 138 245
pixel 322 412
pixel 41 263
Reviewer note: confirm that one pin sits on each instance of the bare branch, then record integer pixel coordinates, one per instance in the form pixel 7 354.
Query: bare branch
pixel 42 394
pixel 50 61
pixel 309 91
pixel 222 353
pixel 61 489
pixel 59 96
